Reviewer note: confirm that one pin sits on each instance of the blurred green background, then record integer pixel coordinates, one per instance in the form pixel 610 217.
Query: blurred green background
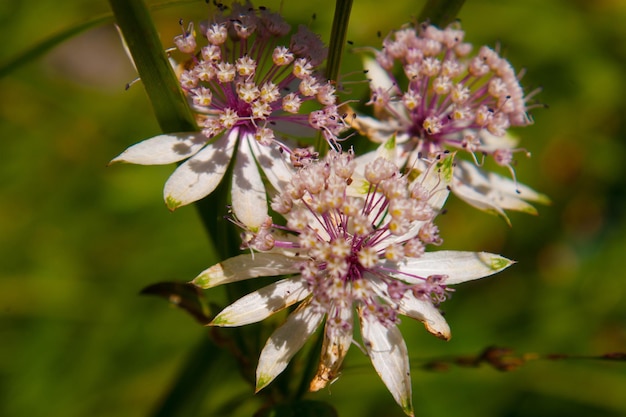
pixel 78 240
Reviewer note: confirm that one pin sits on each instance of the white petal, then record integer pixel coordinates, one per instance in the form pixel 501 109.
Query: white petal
pixel 458 266
pixel 274 164
pixel 389 150
pixel 491 192
pixel 376 130
pixel 509 186
pixel 427 313
pixel 492 143
pixel 388 353
pixel 246 266
pixel 511 202
pixel 359 185
pixel 262 303
pixel 125 46
pixel 471 196
pixel 412 157
pixel 286 341
pixel 379 77
pixel 200 175
pixel 468 173
pixel 163 149
pixel 337 341
pixel 415 308
pixel 248 192
pixel 435 178
pixel 472 185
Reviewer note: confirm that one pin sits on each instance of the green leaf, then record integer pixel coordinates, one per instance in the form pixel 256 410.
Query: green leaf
pixel 46 45
pixel 206 364
pixel 183 295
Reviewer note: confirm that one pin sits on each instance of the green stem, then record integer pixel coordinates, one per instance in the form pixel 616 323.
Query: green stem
pixel 173 115
pixel 168 101
pixel 205 365
pixel 440 12
pixel 169 104
pixel 311 365
pixel 211 210
pixel 338 36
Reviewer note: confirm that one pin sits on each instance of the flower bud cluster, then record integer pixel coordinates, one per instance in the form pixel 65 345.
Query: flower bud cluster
pixel 443 97
pixel 245 78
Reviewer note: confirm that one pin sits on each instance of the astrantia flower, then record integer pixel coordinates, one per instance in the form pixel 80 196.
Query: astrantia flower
pixel 248 86
pixel 345 251
pixel 428 94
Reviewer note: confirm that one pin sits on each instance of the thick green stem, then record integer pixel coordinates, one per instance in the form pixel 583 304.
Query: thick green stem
pixel 173 115
pixel 155 71
pixel 311 365
pixel 205 365
pixel 440 12
pixel 338 36
pixel 161 85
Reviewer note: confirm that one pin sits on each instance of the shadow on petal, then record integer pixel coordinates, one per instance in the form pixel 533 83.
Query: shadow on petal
pixel 218 159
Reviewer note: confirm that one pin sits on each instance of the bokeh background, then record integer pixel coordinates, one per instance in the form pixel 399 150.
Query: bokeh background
pixel 79 240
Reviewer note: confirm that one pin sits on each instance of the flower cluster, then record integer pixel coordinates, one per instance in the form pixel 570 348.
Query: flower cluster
pixel 353 244
pixel 348 250
pixel 245 86
pixel 243 80
pixel 443 99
